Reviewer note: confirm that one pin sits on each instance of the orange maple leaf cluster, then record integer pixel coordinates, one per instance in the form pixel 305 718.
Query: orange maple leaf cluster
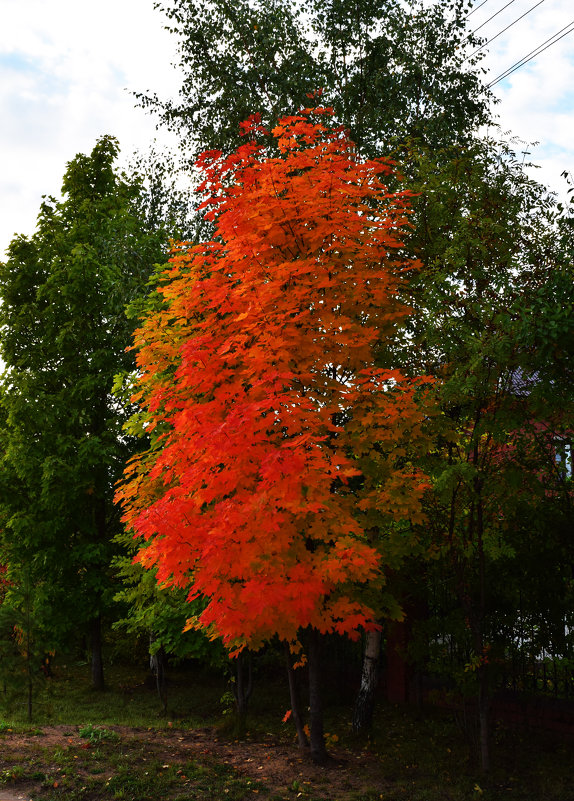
pixel 263 396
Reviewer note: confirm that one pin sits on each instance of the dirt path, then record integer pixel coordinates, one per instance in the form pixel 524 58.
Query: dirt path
pixel 276 763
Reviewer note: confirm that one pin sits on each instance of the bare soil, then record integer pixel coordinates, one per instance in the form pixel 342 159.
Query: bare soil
pixel 278 765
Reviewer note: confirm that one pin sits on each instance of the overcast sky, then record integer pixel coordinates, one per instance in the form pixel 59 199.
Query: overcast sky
pixel 66 68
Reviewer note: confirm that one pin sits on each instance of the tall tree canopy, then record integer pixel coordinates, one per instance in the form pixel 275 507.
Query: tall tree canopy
pixel 392 69
pixel 63 336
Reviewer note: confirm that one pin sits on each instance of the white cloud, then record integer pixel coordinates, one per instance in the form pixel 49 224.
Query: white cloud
pixel 66 69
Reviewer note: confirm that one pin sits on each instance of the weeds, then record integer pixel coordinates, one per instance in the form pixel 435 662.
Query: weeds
pixel 95 734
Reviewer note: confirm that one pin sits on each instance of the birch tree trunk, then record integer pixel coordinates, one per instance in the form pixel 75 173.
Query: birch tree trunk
pixel 365 702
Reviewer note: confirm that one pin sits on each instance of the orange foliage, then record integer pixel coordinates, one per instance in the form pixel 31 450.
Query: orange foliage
pixel 263 396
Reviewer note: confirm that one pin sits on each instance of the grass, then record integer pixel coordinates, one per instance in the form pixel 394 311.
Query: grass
pixel 130 699
pixel 411 756
pixel 124 773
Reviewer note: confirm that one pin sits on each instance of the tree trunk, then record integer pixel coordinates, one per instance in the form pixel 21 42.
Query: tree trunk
pixel 295 705
pixel 243 689
pixel 96 648
pixel 29 651
pixel 318 750
pixel 30 695
pixel 100 522
pixel 29 674
pixel 483 721
pixel 158 666
pixel 476 612
pixel 483 688
pixel 399 671
pixel 365 702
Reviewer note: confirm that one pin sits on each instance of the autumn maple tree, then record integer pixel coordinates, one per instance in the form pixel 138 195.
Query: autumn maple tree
pixel 279 428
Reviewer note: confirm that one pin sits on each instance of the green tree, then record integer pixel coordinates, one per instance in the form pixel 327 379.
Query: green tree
pixel 63 337
pixel 160 614
pixel 495 298
pixel 391 70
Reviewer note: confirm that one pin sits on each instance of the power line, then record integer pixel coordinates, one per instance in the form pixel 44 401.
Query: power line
pixel 528 57
pixel 493 16
pixel 533 53
pixel 539 3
